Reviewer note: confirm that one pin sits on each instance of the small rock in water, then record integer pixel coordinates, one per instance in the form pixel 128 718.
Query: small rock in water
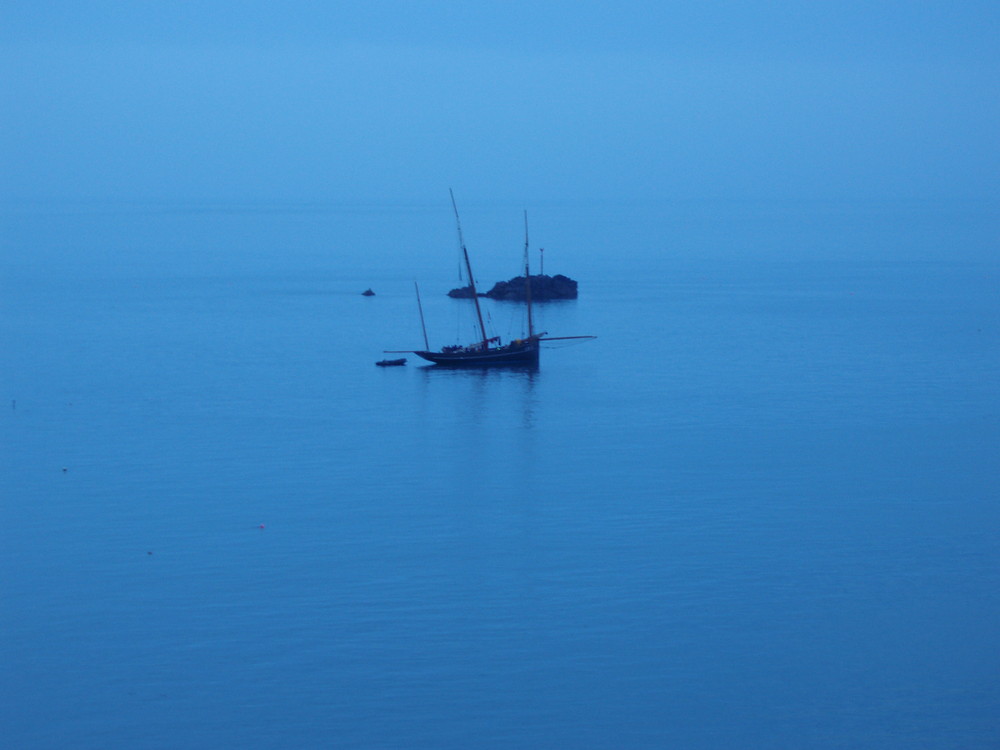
pixel 543 288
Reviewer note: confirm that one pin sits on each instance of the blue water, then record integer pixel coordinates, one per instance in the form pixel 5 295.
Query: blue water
pixel 760 510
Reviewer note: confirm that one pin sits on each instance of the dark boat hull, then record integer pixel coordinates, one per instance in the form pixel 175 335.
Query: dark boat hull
pixel 518 353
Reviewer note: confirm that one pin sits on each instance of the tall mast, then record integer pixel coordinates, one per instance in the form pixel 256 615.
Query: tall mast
pixel 468 267
pixel 423 326
pixel 527 278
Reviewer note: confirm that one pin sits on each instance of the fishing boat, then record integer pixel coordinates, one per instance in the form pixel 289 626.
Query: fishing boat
pixel 489 351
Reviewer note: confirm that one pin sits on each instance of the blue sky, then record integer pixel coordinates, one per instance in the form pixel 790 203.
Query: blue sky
pixel 536 100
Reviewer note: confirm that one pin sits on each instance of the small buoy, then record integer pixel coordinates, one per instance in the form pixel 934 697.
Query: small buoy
pixel 261 526
pixel 149 552
pixel 65 469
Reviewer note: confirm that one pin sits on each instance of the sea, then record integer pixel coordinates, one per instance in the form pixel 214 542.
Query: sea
pixel 760 510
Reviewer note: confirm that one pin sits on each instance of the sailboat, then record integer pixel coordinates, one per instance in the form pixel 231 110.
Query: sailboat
pixel 489 351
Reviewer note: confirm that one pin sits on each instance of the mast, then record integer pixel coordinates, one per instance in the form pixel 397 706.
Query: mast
pixel 468 267
pixel 527 278
pixel 420 307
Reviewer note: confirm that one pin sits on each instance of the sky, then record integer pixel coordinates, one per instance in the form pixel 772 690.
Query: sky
pixel 242 100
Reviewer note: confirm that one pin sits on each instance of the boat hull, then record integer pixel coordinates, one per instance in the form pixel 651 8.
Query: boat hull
pixel 519 353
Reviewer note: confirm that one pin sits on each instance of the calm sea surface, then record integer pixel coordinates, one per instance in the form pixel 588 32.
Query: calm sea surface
pixel 762 509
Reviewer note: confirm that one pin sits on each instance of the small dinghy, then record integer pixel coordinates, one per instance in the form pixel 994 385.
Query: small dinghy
pixel 391 362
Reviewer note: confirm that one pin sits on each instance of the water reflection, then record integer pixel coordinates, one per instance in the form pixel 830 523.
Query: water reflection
pixel 483 372
pixel 489 387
